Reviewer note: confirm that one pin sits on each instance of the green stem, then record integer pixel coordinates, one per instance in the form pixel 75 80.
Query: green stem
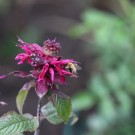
pixel 38 116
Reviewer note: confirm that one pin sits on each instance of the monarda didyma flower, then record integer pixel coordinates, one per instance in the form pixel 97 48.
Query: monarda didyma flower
pixel 48 69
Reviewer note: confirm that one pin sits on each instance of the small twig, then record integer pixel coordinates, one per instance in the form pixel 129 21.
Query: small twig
pixel 38 116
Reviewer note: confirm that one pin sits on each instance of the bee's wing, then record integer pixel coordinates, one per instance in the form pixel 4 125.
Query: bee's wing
pixel 77 67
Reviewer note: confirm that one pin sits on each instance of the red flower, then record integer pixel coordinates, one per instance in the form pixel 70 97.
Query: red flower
pixel 47 68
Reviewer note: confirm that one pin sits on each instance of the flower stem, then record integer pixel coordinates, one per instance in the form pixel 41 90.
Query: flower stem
pixel 38 116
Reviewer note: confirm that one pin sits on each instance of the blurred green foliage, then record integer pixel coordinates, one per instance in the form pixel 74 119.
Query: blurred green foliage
pixel 4 6
pixel 111 89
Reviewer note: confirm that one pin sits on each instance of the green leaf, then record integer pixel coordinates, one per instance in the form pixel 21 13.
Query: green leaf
pixel 22 95
pixel 101 23
pixel 50 113
pixel 82 101
pixel 63 106
pixel 13 123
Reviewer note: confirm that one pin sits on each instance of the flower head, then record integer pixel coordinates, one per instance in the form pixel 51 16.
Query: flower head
pixel 51 47
pixel 47 68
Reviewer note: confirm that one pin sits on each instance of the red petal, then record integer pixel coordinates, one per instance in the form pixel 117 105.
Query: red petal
pixel 52 74
pixel 43 72
pixel 60 79
pixel 68 73
pixel 20 40
pixel 20 74
pixel 16 73
pixel 22 57
pixel 2 76
pixel 41 88
pixel 62 61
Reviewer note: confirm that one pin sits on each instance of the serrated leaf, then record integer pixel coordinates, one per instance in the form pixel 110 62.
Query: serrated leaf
pixel 63 106
pixel 13 123
pixel 22 95
pixel 50 114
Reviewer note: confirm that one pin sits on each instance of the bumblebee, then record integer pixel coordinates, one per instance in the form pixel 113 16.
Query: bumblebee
pixel 71 67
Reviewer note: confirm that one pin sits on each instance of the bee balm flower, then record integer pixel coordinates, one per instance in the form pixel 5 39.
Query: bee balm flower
pixel 48 69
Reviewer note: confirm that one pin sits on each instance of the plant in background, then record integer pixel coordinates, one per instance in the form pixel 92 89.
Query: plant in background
pixel 48 71
pixel 110 90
